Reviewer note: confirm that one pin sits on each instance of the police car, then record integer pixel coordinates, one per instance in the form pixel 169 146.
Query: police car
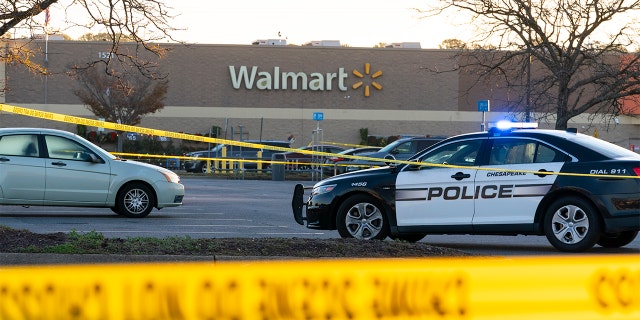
pixel 575 189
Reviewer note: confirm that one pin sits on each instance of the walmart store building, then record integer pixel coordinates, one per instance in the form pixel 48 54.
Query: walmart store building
pixel 272 92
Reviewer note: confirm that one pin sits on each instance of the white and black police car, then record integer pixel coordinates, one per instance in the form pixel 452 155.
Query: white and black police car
pixel 575 189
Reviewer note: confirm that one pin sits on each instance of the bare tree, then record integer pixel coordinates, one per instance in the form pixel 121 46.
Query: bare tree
pixel 556 52
pixel 141 21
pixel 124 98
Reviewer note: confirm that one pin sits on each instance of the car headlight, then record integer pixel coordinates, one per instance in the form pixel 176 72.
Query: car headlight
pixel 170 176
pixel 324 188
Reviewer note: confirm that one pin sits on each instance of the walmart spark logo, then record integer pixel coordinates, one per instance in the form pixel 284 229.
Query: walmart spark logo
pixel 367 71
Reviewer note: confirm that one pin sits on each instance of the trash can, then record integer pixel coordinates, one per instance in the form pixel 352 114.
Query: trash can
pixel 277 169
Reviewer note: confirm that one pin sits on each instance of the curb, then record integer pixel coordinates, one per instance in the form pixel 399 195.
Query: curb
pixel 22 259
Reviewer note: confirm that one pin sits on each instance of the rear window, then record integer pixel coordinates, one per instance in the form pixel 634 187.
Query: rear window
pixel 603 147
pixel 25 145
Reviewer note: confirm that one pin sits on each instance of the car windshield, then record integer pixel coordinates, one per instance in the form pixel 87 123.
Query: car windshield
pixel 392 145
pixel 217 148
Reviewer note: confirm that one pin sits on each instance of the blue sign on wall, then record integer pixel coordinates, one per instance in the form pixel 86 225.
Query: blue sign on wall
pixel 318 116
pixel 483 105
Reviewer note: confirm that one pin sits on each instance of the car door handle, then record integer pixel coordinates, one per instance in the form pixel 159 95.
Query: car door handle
pixel 459 176
pixel 3 159
pixel 59 164
pixel 542 175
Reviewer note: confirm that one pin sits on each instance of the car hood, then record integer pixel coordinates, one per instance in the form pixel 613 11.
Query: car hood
pixel 360 175
pixel 139 165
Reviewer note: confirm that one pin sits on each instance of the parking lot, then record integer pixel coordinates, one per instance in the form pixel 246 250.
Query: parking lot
pixel 217 208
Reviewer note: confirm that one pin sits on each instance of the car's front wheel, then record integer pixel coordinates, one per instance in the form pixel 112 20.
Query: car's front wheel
pixel 617 240
pixel 571 224
pixel 135 200
pixel 361 217
pixel 202 167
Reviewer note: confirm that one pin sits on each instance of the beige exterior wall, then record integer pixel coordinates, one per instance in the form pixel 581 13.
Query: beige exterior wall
pixel 419 93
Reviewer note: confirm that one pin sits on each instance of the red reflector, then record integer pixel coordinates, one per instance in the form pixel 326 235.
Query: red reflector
pixel 637 171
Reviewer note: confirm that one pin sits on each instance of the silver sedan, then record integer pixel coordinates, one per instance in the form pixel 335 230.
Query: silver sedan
pixel 47 167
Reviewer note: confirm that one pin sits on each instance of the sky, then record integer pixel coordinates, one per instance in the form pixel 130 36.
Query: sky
pixel 357 23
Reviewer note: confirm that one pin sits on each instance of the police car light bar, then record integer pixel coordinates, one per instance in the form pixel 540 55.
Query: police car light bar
pixel 506 125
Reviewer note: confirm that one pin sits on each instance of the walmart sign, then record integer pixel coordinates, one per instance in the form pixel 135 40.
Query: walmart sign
pixel 248 78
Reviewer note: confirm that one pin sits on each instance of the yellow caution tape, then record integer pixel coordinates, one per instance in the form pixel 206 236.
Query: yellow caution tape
pixel 176 135
pixel 566 287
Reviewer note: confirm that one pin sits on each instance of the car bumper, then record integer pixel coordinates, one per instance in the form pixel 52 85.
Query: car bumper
pixel 169 194
pixel 189 166
pixel 319 217
pixel 315 213
pixel 624 215
pixel 624 212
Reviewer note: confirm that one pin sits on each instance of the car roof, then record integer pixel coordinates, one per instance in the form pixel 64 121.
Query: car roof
pixel 361 149
pixel 320 145
pixel 33 130
pixel 265 141
pixel 583 147
pixel 418 138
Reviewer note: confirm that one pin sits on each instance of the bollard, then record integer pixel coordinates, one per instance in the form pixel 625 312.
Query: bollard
pixel 277 167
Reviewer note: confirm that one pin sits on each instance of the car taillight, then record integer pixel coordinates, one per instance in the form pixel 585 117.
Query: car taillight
pixel 637 171
pixel 335 159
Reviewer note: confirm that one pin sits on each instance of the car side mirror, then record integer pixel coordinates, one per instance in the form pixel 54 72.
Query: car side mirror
pixel 389 163
pixel 415 166
pixel 92 158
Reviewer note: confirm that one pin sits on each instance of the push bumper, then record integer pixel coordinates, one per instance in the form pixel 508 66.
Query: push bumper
pixel 298 204
pixel 313 214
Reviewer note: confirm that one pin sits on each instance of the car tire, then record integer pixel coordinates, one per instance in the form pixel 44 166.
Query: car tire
pixel 617 240
pixel 203 167
pixel 135 200
pixel 571 224
pixel 361 217
pixel 409 237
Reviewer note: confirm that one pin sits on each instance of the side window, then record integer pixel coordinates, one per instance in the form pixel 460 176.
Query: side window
pixel 463 153
pixel 24 145
pixel 330 149
pixel 63 148
pixel 547 154
pixel 423 144
pixel 517 151
pixel 512 151
pixel 247 151
pixel 404 147
pixel 335 150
